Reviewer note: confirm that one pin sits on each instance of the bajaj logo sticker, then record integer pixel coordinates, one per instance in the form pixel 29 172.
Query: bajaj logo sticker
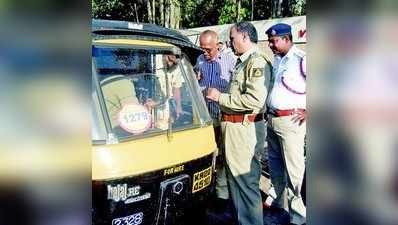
pixel 134 219
pixel 122 192
pixel 138 198
pixel 201 179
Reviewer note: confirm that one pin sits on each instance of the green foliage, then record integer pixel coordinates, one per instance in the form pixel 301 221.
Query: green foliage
pixel 196 13
pixel 245 11
pixel 293 7
pixel 118 10
pixel 228 13
pixel 262 9
pixel 298 8
pixel 188 12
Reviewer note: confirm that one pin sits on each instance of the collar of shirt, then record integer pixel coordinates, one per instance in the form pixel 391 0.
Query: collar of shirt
pixel 290 53
pixel 246 55
pixel 218 57
pixel 203 58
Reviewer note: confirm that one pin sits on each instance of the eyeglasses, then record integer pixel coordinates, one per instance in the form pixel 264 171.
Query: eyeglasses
pixel 208 50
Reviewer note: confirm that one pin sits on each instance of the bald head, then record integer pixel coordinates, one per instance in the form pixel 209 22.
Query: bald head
pixel 208 42
pixel 209 36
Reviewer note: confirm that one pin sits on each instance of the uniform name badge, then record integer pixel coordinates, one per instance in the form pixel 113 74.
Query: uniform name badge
pixel 134 118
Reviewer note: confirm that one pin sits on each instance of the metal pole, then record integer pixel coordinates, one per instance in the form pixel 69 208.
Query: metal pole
pixel 252 10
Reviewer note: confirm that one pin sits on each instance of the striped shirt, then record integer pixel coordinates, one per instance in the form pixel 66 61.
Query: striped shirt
pixel 217 74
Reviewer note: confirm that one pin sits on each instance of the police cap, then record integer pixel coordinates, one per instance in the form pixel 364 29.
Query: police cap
pixel 279 29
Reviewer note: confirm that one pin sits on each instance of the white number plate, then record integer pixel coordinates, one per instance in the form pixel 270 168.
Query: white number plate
pixel 134 219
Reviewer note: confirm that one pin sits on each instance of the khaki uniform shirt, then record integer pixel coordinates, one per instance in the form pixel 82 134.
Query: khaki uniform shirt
pixel 248 88
pixel 174 80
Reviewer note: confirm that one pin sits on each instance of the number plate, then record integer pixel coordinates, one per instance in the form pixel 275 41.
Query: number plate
pixel 201 179
pixel 134 219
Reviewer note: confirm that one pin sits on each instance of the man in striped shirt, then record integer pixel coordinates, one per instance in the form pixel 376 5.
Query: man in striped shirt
pixel 214 69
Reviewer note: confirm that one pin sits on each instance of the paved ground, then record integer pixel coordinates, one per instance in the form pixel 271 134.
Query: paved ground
pixel 271 216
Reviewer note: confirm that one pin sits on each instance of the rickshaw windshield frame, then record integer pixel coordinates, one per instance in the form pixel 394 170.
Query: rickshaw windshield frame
pixel 110 137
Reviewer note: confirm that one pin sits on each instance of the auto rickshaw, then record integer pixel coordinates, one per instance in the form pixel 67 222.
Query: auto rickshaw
pixel 153 155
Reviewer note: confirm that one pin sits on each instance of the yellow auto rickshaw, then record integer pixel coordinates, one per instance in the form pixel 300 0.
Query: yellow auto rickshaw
pixel 153 152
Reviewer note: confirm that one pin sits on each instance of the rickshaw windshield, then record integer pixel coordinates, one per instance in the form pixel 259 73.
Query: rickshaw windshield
pixel 143 91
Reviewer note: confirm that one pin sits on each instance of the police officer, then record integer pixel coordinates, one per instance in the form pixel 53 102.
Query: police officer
pixel 286 104
pixel 242 123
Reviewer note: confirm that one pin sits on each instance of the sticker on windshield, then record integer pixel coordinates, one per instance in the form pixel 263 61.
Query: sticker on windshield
pixel 134 118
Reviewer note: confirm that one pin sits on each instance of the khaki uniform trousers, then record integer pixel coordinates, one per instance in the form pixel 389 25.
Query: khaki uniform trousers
pixel 287 164
pixel 243 148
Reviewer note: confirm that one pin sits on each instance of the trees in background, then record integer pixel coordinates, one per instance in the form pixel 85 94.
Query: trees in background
pixel 195 13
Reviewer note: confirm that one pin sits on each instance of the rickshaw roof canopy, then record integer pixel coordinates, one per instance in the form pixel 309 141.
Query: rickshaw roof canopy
pixel 106 29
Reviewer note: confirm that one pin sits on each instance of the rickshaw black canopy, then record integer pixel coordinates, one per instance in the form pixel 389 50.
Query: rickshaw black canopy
pixel 106 29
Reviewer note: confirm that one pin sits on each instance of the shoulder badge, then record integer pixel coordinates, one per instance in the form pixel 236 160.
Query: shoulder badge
pixel 258 72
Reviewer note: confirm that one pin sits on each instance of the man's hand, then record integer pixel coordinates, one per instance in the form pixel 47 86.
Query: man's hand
pixel 150 103
pixel 300 117
pixel 213 94
pixel 178 111
pixel 198 75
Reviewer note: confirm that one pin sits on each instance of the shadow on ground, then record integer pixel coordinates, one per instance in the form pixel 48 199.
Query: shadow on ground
pixel 271 217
